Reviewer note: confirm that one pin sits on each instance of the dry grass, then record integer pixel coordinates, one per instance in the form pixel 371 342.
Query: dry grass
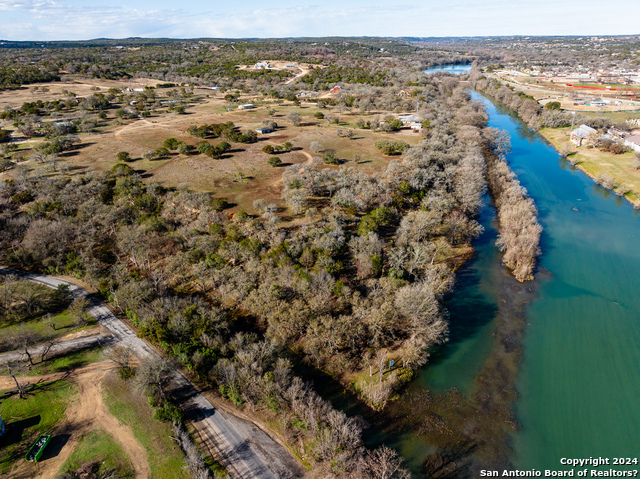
pixel 219 177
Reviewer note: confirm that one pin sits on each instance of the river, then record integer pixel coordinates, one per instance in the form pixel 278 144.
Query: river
pixel 579 380
pixel 579 383
pixel 455 69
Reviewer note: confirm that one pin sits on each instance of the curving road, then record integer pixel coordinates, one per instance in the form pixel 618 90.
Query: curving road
pixel 246 451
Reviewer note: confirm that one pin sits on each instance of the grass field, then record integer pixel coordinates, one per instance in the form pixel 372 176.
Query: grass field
pixel 99 446
pixel 67 362
pixel 604 87
pixel 130 407
pixel 595 162
pixel 97 149
pixel 39 412
pixel 615 116
pixel 63 321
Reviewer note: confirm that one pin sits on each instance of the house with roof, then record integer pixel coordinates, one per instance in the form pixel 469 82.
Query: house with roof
pixel 580 134
pixel 262 65
pixel 408 119
pixel 632 141
pixel 336 89
pixel 246 106
pixel 264 130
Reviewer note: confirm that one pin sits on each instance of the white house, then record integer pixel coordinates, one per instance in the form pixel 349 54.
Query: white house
pixel 633 142
pixel 580 134
pixel 264 65
pixel 246 106
pixel 407 119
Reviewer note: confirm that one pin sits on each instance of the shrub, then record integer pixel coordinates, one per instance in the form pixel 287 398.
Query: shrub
pixel 123 156
pixel 168 412
pixel 122 169
pixel 171 143
pixel 388 147
pixel 275 161
pixel 330 158
pixel 268 149
pixel 219 204
pixel 22 197
pixel 319 115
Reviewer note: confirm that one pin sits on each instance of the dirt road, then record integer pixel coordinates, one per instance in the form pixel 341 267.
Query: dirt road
pixel 245 450
pixel 85 414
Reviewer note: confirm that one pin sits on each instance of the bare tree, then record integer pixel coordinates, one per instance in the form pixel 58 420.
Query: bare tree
pixel 24 340
pixel 123 358
pixel 155 375
pixel 47 346
pixel 294 118
pixel 78 310
pixel 14 368
pixel 316 147
pixel 381 362
pixel 382 463
pixel 195 461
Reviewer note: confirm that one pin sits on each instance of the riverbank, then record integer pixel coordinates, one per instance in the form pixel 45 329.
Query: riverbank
pixel 597 165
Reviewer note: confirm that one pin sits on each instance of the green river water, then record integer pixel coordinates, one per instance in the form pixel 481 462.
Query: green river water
pixel 579 380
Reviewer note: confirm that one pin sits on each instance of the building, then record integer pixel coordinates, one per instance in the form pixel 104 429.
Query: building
pixel 262 65
pixel 290 65
pixel 579 135
pixel 336 89
pixel 408 119
pixel 416 126
pixel 246 106
pixel 633 142
pixel 264 130
pixel 306 94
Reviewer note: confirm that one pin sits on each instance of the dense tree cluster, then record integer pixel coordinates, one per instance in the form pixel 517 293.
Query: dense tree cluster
pixel 520 231
pixel 531 111
pixel 14 75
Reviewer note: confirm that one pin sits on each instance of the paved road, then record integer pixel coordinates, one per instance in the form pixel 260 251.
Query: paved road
pixel 246 451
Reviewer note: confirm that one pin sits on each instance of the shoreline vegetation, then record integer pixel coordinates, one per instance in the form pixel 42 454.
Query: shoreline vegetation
pixel 606 181
pixel 544 121
pixel 471 434
pixel 346 274
pixel 519 229
pixel 345 271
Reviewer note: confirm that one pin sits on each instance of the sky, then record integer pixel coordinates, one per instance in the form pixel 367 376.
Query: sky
pixel 83 19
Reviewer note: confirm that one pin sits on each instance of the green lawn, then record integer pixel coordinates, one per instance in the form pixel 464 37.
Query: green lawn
pixel 99 446
pixel 63 321
pixel 616 116
pixel 27 418
pixel 67 362
pixel 604 87
pixel 130 407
